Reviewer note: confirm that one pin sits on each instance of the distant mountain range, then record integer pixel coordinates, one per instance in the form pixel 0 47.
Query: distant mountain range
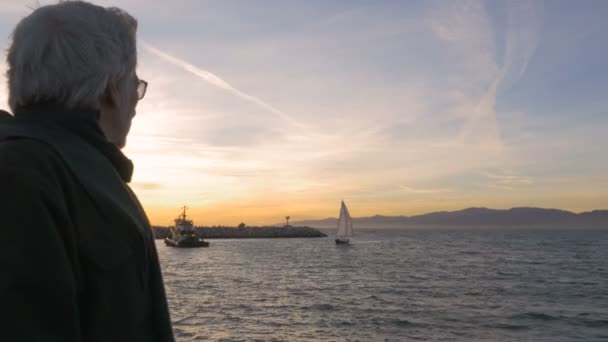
pixel 478 217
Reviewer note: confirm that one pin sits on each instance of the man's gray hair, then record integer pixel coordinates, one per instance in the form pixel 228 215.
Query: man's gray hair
pixel 67 53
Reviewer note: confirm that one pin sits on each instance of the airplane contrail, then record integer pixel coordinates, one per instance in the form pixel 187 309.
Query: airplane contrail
pixel 213 79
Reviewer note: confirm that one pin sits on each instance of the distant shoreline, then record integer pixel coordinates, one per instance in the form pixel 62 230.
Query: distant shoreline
pixel 262 232
pixel 478 217
pixel 371 227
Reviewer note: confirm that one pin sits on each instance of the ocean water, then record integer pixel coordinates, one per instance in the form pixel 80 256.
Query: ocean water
pixel 388 285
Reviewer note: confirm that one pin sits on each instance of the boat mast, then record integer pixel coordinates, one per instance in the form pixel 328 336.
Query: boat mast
pixel 184 212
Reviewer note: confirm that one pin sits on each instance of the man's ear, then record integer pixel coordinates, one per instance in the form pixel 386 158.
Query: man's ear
pixel 110 96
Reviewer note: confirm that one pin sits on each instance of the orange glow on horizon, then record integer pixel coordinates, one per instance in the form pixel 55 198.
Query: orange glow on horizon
pixel 257 215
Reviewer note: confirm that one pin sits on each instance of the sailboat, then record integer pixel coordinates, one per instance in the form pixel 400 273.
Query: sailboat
pixel 345 226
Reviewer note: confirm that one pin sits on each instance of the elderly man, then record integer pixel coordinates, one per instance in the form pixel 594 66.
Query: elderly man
pixel 77 255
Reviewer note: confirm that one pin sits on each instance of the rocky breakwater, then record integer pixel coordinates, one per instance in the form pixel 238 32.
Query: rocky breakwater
pixel 247 232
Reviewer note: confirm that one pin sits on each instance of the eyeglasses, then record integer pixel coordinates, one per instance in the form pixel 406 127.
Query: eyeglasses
pixel 141 89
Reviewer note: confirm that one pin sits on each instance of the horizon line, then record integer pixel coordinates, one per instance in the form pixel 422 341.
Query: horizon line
pixel 406 216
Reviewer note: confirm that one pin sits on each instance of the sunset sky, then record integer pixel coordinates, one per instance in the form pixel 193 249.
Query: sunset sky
pixel 260 109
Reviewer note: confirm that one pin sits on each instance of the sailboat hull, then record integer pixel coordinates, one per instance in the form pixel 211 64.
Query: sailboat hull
pixel 342 242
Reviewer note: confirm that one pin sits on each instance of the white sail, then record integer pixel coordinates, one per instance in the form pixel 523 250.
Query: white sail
pixel 345 223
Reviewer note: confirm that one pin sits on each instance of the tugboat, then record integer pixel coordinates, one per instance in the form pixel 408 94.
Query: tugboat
pixel 182 235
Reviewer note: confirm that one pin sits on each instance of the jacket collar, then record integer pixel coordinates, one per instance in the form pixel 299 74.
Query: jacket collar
pixel 84 124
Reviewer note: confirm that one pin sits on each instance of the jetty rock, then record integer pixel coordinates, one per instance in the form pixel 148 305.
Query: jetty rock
pixel 263 232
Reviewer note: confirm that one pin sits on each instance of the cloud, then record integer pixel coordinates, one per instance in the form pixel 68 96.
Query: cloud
pixel 213 79
pixel 507 181
pixel 524 23
pixel 466 27
pixel 423 191
pixel 146 186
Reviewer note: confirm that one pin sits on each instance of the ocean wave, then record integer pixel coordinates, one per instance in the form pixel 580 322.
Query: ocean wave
pixel 321 307
pixel 594 323
pixel 507 326
pixel 188 320
pixel 534 316
pixel 470 252
pixel 403 323
pixel 182 334
pixel 376 299
pixel 346 323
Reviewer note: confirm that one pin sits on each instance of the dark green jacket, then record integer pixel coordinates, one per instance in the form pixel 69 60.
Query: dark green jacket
pixel 77 255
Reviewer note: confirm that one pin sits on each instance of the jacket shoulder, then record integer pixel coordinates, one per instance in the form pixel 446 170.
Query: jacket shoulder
pixel 29 158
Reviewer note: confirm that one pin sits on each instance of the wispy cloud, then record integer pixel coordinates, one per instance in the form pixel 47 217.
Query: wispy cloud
pixel 507 181
pixel 146 186
pixel 525 19
pixel 423 191
pixel 467 27
pixel 216 81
